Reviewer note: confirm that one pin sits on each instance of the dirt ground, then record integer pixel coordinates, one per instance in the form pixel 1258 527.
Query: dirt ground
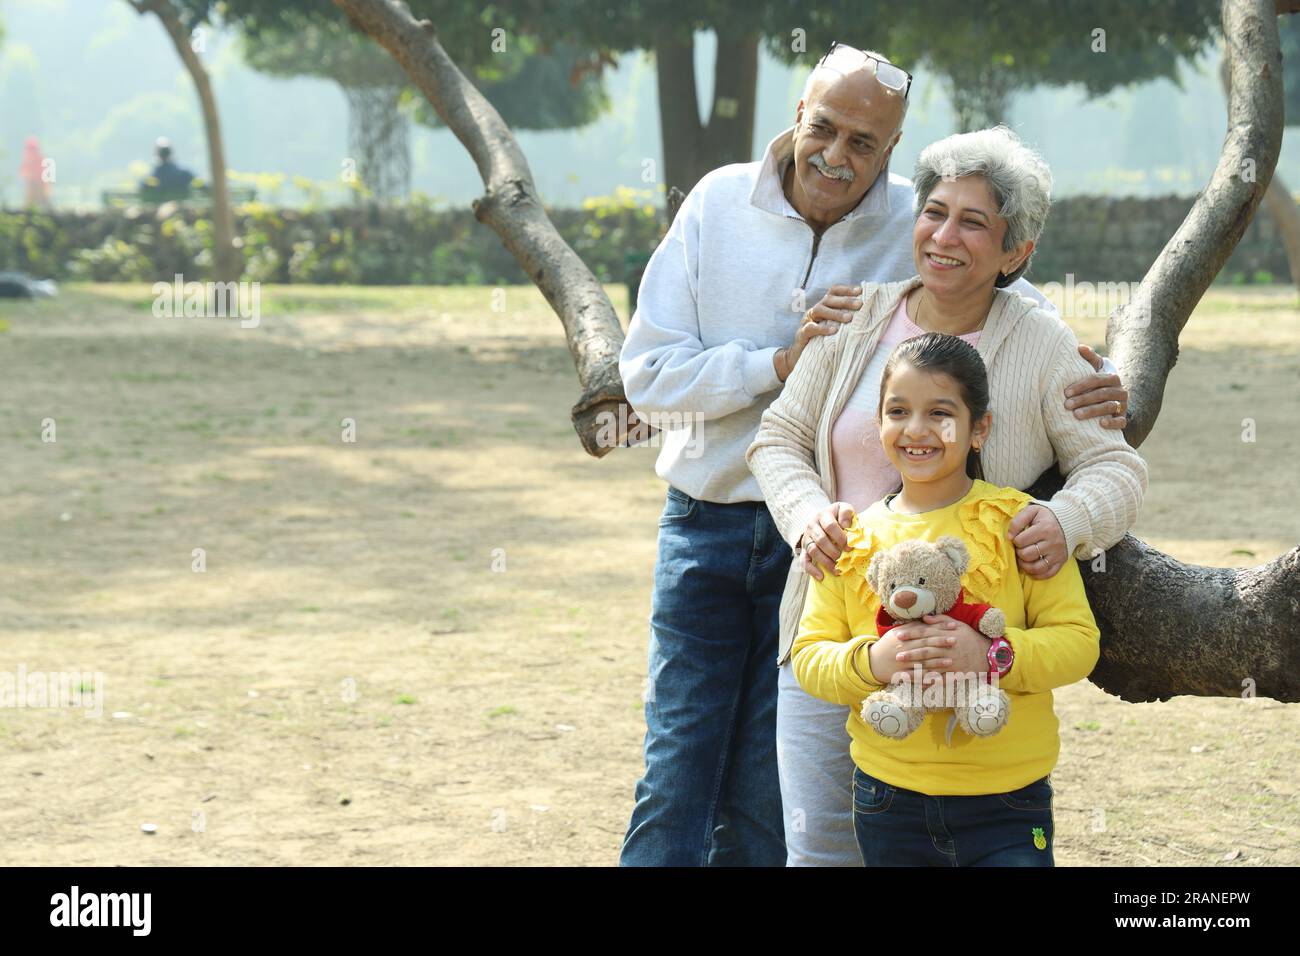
pixel 427 645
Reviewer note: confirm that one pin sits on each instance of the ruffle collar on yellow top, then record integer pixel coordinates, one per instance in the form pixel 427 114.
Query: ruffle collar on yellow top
pixel 984 522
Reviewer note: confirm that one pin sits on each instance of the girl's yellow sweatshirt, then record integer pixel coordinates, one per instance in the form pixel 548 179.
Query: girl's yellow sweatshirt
pixel 1049 624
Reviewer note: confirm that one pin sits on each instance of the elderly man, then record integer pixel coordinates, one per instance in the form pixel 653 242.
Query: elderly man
pixel 723 315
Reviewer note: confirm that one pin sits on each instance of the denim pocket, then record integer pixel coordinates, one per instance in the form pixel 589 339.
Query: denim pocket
pixel 1035 796
pixel 678 507
pixel 871 795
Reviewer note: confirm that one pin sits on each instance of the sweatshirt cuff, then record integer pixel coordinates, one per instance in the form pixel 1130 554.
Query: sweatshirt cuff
pixel 759 372
pixel 853 671
pixel 802 521
pixel 1013 680
pixel 860 661
pixel 1075 522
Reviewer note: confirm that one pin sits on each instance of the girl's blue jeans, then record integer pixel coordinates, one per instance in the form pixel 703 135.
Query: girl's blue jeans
pixel 710 795
pixel 898 827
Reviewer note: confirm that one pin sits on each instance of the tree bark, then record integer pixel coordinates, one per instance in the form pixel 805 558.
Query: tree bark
pixel 1169 628
pixel 226 265
pixel 511 207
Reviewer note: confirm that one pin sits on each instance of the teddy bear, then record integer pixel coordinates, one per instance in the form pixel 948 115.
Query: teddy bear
pixel 914 578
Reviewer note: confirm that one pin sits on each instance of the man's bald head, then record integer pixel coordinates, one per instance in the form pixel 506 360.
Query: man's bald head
pixel 863 78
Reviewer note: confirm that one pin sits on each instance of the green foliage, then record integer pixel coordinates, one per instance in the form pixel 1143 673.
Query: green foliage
pixel 315 46
pixel 410 244
pixel 113 260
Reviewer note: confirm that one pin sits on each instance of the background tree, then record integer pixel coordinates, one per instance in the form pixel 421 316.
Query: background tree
pixel 371 82
pixel 179 22
pixel 984 60
pixel 1011 45
pixel 1014 45
pixel 531 87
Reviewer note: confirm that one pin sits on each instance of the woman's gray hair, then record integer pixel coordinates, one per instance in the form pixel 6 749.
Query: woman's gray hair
pixel 1020 181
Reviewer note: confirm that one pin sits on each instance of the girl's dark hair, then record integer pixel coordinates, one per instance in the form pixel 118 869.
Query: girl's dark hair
pixel 954 357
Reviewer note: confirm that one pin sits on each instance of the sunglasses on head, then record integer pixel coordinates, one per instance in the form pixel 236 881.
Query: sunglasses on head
pixel 845 59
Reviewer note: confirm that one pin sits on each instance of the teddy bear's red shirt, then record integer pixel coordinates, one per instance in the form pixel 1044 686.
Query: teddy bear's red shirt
pixel 961 611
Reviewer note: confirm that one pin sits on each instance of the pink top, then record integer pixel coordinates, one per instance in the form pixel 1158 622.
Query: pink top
pixel 863 473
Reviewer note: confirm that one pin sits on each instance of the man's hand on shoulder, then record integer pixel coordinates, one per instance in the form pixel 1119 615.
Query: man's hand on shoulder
pixel 836 308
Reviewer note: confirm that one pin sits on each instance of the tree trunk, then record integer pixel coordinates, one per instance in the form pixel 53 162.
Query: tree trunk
pixel 729 137
pixel 1143 335
pixel 1167 628
pixel 975 106
pixel 226 264
pixel 690 148
pixel 1281 205
pixel 679 113
pixel 379 138
pixel 1278 201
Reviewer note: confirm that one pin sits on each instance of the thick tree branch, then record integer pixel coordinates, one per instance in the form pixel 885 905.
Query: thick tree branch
pixel 1169 628
pixel 510 205
pixel 226 266
pixel 1143 335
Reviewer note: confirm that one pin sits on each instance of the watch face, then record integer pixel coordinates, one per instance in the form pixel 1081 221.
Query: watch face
pixel 1003 655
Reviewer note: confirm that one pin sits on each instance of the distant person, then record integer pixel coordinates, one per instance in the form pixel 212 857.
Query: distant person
pixel 36 188
pixel 166 177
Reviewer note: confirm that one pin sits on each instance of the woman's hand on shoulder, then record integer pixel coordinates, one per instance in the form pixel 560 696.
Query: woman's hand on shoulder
pixel 1039 540
pixel 824 540
pixel 1098 396
pixel 836 308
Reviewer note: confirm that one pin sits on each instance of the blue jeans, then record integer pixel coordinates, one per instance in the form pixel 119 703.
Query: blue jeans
pixel 710 795
pixel 898 827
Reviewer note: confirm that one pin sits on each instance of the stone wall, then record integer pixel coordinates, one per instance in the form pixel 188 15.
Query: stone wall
pixel 1102 239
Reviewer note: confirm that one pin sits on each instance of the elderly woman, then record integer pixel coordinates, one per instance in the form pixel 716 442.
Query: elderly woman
pixel 981 202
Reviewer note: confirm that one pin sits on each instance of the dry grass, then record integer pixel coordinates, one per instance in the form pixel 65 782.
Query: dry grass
pixel 351 681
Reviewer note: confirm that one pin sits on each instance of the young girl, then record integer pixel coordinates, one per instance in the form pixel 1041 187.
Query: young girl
pixel 925 800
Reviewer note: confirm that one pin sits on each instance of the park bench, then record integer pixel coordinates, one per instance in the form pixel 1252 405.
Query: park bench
pixel 156 195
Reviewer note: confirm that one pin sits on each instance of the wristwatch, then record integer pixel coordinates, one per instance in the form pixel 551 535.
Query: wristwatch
pixel 1001 657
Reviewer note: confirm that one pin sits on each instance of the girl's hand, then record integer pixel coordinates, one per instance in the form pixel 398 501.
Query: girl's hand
pixel 967 650
pixel 835 308
pixel 927 642
pixel 1095 396
pixel 825 540
pixel 1039 540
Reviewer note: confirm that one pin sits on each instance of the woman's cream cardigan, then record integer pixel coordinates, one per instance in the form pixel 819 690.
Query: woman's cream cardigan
pixel 1031 357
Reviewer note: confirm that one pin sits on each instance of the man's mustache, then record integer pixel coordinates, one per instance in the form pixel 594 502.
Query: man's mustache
pixel 838 172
